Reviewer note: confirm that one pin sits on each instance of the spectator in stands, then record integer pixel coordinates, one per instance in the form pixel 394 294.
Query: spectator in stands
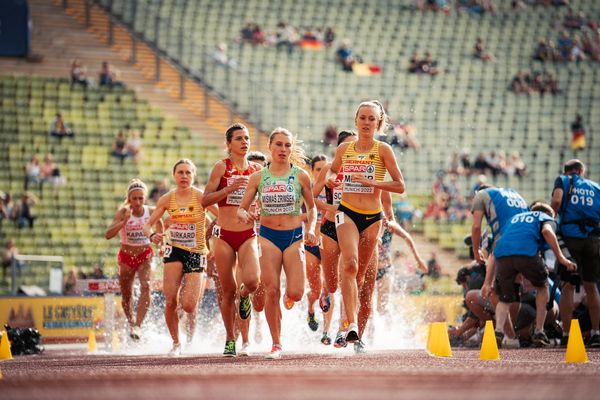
pixel 520 83
pixel 516 166
pixel 286 36
pixel 329 37
pixel 552 84
pixel 8 254
pixel 50 174
pixel 70 283
pixel 454 165
pixel 32 172
pixel 433 5
pixel 404 135
pixel 108 76
pixel 134 145
pixel 7 208
pixel 481 164
pixel 345 56
pixel 98 273
pixel 423 66
pixel 565 45
pixel 545 51
pixel 497 162
pixel 330 135
pixel 78 72
pixel 480 53
pixel 119 147
pixel 246 33
pixel 517 5
pixel 591 44
pixel 160 187
pixel 577 53
pixel 577 134
pixel 59 128
pixel 465 159
pixel 221 58
pixel 574 20
pixel 25 216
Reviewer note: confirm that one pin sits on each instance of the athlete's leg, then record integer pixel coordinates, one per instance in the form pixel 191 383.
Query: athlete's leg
pixel 144 273
pixel 330 255
pixel 313 275
pixel 225 259
pixel 270 268
pixel 365 293
pixel 126 278
pixel 171 282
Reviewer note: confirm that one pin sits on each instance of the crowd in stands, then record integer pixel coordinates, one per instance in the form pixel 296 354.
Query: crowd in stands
pixel 447 202
pixel 287 36
pixel 534 82
pixel 108 76
pixel 20 213
pixel 577 134
pixel 495 163
pixel 425 65
pixel 127 144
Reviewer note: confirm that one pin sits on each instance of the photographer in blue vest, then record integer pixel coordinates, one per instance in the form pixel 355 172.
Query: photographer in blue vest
pixel 577 201
pixel 519 251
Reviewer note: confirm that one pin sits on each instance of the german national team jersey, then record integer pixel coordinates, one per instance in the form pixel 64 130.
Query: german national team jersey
pixel 368 164
pixel 187 230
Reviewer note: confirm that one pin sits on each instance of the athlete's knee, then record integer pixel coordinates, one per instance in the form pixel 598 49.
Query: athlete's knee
pixel 350 265
pixel 295 294
pixel 251 285
pixel 189 306
pixel 272 292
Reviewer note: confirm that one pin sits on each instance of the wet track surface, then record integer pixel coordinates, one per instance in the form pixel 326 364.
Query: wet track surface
pixel 525 373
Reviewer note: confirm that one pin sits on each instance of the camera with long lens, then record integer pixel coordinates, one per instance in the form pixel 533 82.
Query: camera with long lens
pixel 572 277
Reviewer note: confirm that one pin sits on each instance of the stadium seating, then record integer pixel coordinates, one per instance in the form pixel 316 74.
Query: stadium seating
pixel 73 222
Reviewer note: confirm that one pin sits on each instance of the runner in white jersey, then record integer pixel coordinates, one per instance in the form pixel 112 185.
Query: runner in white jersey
pixel 135 252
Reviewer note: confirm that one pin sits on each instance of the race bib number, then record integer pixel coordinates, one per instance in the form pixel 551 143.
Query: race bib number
pixel 166 250
pixel 235 198
pixel 203 261
pixel 278 198
pixel 216 232
pixel 183 234
pixel 361 167
pixel 339 219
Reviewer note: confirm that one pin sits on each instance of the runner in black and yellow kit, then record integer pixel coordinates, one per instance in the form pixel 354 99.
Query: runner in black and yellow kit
pixel 185 250
pixel 363 164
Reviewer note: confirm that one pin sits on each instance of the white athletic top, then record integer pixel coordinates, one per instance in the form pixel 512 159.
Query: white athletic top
pixel 132 233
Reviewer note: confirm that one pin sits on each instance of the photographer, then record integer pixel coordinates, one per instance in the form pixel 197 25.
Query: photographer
pixel 577 201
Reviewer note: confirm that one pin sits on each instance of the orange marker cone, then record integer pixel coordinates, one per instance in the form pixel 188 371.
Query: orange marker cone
pixel 489 347
pixel 575 347
pixel 5 353
pixel 91 342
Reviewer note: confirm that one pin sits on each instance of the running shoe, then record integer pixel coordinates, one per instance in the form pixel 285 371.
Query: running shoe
pixel 312 322
pixel 175 350
pixel 245 307
pixel 359 347
pixel 594 341
pixel 244 352
pixel 135 332
pixel 325 302
pixel 229 349
pixel 352 335
pixel 275 353
pixel 508 343
pixel 325 339
pixel 540 339
pixel 287 302
pixel 340 340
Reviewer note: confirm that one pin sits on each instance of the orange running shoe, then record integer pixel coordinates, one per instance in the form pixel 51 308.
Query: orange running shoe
pixel 287 302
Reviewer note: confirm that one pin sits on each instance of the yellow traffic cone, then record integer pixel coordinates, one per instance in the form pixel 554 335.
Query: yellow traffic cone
pixel 439 342
pixel 575 348
pixel 489 347
pixel 92 342
pixel 5 353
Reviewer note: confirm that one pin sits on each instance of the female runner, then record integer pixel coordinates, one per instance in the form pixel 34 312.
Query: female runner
pixel 135 252
pixel 235 242
pixel 281 187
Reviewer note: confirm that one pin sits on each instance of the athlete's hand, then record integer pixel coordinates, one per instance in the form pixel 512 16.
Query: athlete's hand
pixel 422 265
pixel 333 182
pixel 167 222
pixel 363 180
pixel 244 216
pixel 157 237
pixel 310 239
pixel 126 212
pixel 239 183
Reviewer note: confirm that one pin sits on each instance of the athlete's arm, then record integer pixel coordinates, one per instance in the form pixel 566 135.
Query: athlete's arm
pixel 318 188
pixel 386 204
pixel 248 198
pixel 396 185
pixel 476 234
pixel 335 166
pixel 161 207
pixel 211 194
pixel 398 230
pixel 118 222
pixel 311 210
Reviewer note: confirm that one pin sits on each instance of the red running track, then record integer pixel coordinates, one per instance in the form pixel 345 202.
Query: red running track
pixel 526 373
